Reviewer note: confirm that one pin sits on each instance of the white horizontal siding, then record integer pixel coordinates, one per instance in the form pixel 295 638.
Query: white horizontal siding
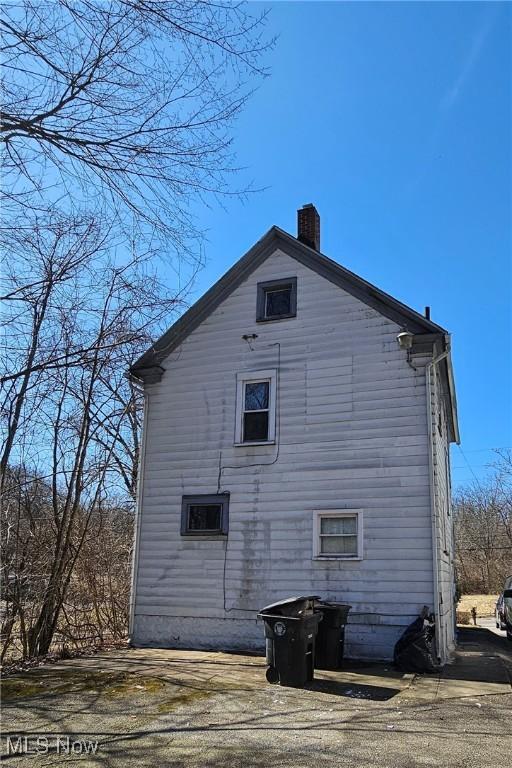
pixel 351 433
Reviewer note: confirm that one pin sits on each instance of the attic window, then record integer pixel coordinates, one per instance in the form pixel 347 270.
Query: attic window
pixel 277 299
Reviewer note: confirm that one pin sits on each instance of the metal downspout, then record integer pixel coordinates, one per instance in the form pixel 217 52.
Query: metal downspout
pixel 138 515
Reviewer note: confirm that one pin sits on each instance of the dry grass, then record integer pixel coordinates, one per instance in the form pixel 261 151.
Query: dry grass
pixel 484 604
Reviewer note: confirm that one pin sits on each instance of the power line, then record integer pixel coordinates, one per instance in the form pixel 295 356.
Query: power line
pixel 474 465
pixel 493 448
pixel 470 467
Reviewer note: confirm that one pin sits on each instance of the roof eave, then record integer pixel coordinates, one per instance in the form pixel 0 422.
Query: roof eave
pixel 422 325
pixel 205 304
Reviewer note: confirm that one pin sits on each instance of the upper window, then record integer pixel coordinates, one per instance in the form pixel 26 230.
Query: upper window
pixel 338 534
pixel 277 299
pixel 206 515
pixel 255 407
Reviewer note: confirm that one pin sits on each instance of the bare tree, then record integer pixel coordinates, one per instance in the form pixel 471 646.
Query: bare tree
pixel 503 468
pixel 116 118
pixel 128 102
pixel 482 531
pixel 38 263
pixel 94 607
pixel 77 318
pixel 26 540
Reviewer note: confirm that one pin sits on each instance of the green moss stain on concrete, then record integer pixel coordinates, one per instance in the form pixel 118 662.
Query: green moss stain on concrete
pixel 16 688
pixel 131 684
pixel 183 697
pixel 59 682
pixel 166 694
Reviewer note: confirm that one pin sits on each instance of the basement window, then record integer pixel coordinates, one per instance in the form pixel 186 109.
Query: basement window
pixel 276 299
pixel 338 534
pixel 205 515
pixel 256 408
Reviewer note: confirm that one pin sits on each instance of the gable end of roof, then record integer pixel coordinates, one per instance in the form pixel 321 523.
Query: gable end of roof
pixel 275 238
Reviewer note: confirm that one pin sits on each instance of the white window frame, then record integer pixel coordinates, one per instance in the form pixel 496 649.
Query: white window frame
pixel 318 514
pixel 251 377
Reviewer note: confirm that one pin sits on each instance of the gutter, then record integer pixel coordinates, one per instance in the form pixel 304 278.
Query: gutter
pixel 453 398
pixel 433 510
pixel 138 515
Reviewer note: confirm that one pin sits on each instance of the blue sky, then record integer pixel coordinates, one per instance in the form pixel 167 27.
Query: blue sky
pixel 394 119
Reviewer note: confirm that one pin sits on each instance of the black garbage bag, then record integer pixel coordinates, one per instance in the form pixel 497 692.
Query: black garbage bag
pixel 415 650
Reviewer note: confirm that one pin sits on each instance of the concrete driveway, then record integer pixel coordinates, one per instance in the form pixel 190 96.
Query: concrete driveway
pixel 179 708
pixel 489 622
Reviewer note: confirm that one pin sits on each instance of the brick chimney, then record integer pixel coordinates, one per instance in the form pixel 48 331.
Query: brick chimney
pixel 308 226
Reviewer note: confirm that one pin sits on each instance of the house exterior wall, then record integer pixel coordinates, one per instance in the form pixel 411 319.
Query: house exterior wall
pixel 351 433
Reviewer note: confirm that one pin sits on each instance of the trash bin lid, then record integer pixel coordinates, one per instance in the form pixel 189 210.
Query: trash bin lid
pixel 288 603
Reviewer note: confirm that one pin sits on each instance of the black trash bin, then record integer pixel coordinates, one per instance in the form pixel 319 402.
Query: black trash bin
pixel 330 640
pixel 290 630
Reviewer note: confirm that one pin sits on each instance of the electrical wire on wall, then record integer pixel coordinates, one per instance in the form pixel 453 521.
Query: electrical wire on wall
pixel 256 464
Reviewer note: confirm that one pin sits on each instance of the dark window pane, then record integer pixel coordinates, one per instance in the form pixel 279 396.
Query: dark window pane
pixel 255 426
pixel 278 302
pixel 204 517
pixel 256 396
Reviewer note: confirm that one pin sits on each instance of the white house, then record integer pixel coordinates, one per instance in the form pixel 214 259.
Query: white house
pixel 296 441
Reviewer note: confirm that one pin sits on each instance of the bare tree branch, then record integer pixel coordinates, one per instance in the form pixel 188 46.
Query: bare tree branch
pixel 131 99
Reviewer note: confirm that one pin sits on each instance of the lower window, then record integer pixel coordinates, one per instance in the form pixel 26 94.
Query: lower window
pixel 338 534
pixel 205 515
